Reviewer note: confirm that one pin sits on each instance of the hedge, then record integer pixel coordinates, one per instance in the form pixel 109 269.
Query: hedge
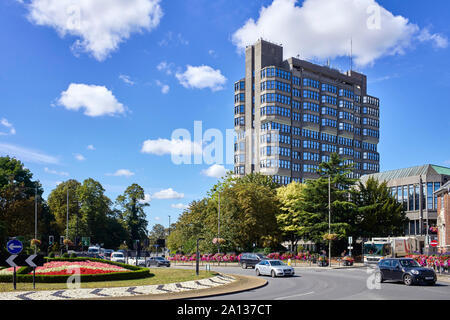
pixel 134 273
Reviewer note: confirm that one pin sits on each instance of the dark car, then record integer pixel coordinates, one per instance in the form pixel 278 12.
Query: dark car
pixel 251 260
pixel 158 261
pixel 406 270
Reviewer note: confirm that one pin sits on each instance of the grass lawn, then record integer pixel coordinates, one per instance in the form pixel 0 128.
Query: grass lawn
pixel 161 276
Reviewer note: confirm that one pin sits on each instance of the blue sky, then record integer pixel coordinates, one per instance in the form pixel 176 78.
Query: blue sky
pixel 131 72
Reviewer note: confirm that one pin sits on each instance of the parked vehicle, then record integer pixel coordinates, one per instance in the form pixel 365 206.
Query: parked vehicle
pixel 107 254
pixel 118 257
pixel 158 261
pixel 406 270
pixel 250 260
pixel 274 268
pixel 141 261
pixel 94 250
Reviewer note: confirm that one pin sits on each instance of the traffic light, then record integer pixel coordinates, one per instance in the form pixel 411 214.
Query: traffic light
pixel 61 240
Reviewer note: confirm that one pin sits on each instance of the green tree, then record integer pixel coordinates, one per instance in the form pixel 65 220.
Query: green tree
pixel 291 198
pixel 94 210
pixel 132 206
pixel 314 218
pixel 57 201
pixel 17 201
pixel 378 213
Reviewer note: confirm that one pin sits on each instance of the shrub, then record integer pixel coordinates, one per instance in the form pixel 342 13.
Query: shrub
pixel 51 255
pixel 134 273
pixel 73 255
pixel 65 255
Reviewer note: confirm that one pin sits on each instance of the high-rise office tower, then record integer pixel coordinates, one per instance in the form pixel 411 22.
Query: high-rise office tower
pixel 290 115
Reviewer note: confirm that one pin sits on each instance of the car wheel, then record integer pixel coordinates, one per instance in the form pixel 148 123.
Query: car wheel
pixel 257 272
pixel 379 277
pixel 433 283
pixel 244 266
pixel 273 274
pixel 407 279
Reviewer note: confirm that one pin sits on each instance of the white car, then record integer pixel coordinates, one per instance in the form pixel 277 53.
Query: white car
pixel 118 257
pixel 274 268
pixel 140 262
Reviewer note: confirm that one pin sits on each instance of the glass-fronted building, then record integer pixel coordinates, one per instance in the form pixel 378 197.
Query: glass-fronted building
pixel 291 115
pixel 415 188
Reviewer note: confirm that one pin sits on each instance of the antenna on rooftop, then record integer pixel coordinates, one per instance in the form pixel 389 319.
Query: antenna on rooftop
pixel 351 54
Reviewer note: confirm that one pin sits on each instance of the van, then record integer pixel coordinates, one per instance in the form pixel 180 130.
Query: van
pixel 94 250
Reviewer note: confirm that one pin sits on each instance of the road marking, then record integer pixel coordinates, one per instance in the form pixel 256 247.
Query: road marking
pixel 295 295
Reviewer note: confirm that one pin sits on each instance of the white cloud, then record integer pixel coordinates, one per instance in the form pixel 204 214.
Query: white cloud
pixel 201 77
pixel 121 173
pixel 90 147
pixel 64 174
pixel 165 67
pixel 157 218
pixel 147 199
pixel 25 154
pixel 179 206
pixel 100 25
pixel 127 79
pixel 95 100
pixel 79 157
pixel 439 41
pixel 168 194
pixel 164 87
pixel 175 40
pixel 324 28
pixel 4 122
pixel 173 147
pixel 215 171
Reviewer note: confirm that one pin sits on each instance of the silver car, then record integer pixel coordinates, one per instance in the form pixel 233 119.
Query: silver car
pixel 274 268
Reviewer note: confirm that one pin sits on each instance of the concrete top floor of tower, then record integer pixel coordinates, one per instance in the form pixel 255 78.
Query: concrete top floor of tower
pixel 266 54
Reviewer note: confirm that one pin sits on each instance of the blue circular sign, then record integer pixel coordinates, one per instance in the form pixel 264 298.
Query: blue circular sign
pixel 14 246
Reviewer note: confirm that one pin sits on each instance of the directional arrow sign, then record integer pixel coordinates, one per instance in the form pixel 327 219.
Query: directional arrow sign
pixel 22 261
pixel 10 261
pixel 30 262
pixel 14 246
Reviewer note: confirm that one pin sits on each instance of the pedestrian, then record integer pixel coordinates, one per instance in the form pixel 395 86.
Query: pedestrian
pixel 343 254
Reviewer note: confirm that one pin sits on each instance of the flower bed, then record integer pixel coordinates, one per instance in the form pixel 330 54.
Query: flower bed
pixel 434 260
pixel 65 267
pixel 89 269
pixel 220 257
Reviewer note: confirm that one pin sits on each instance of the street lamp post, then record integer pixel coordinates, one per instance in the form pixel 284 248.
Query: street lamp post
pixel 67 221
pixel 218 227
pixel 197 258
pixel 329 220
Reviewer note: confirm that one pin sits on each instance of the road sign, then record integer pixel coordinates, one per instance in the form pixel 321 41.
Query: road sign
pixel 15 260
pixel 350 240
pixel 86 241
pixel 14 246
pixel 434 243
pixel 51 239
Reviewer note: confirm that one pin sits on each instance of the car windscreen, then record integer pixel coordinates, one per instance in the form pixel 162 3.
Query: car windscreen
pixel 160 258
pixel 409 263
pixel 117 255
pixel 276 263
pixel 260 256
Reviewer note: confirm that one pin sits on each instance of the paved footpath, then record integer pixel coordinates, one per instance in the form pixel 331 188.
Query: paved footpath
pixel 90 293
